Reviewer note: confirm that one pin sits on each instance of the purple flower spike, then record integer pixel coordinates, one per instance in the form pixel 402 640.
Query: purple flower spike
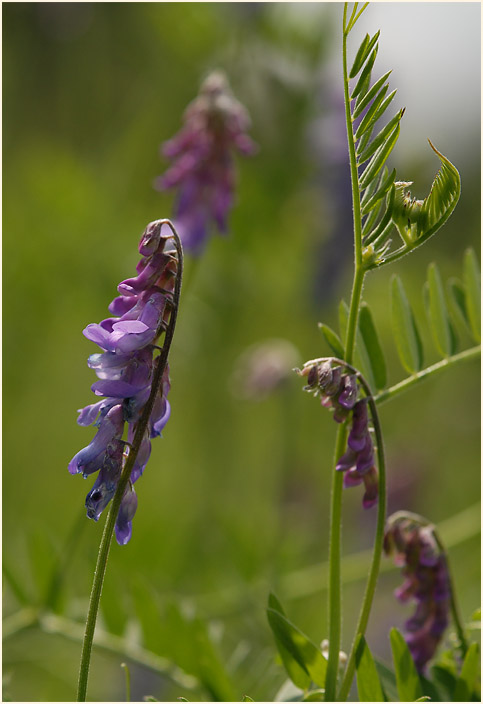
pixel 426 582
pixel 340 392
pixel 125 371
pixel 202 168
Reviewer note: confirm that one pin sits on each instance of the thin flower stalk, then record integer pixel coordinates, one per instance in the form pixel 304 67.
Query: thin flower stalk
pixel 131 464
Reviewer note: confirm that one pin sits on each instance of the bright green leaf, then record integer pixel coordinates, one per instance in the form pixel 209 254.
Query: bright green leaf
pixel 407 679
pixel 388 681
pixel 406 334
pixel 333 340
pixel 364 78
pixel 370 95
pixel 368 117
pixel 373 348
pixel 467 682
pixel 360 57
pixel 457 298
pixel 378 160
pixel 368 205
pixel 440 323
pixel 300 656
pixel 368 684
pixel 471 278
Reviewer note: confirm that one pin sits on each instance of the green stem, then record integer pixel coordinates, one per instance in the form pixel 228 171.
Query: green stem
pixel 409 382
pixel 334 596
pixel 377 552
pixel 141 427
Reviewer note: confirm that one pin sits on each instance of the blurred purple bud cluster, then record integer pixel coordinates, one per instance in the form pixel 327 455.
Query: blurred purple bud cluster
pixel 339 391
pixel 203 169
pixel 427 582
pixel 125 369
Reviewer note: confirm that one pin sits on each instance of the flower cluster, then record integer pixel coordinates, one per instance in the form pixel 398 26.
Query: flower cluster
pixel 427 582
pixel 125 371
pixel 339 391
pixel 202 163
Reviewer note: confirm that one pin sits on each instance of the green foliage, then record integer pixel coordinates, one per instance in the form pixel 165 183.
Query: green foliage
pixel 302 659
pixel 406 335
pixel 438 314
pixel 407 678
pixel 467 685
pixel 369 686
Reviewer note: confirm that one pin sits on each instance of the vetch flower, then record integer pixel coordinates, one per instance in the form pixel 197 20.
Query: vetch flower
pixel 202 169
pixel 126 370
pixel 340 391
pixel 426 582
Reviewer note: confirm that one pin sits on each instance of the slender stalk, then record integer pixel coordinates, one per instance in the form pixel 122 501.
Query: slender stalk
pixel 410 381
pixel 141 426
pixel 378 545
pixel 334 596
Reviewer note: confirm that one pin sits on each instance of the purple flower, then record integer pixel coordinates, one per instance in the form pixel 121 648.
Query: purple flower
pixel 125 369
pixel 202 168
pixel 426 582
pixel 340 392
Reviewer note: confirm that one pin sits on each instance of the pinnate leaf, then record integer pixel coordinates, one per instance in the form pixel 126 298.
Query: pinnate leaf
pixel 333 340
pixel 467 682
pixel 373 348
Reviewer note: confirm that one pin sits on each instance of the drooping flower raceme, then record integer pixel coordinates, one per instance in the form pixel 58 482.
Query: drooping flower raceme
pixel 427 582
pixel 125 369
pixel 202 169
pixel 340 392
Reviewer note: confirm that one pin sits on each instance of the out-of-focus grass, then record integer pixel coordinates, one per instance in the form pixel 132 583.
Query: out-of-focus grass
pixel 236 492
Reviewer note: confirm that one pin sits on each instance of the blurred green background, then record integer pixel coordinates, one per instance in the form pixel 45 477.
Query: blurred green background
pixel 235 499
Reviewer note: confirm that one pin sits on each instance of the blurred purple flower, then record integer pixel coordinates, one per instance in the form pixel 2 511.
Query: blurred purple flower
pixel 340 392
pixel 202 168
pixel 125 370
pixel 426 582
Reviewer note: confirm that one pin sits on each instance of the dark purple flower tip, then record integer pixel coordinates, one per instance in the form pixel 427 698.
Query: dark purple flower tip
pixel 91 458
pixel 152 240
pixel 359 429
pixel 141 458
pixel 331 380
pixel 348 397
pixel 105 485
pixel 347 461
pixel 352 478
pixel 371 485
pixel 365 458
pixel 123 527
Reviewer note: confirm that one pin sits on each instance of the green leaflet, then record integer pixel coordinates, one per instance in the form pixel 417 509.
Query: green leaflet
pixel 457 297
pixel 362 54
pixel 471 278
pixel 378 160
pixel 368 684
pixel 441 327
pixel 364 78
pixel 370 95
pixel 467 682
pixel 363 156
pixel 333 340
pixel 408 341
pixel 386 183
pixel 373 348
pixel 407 679
pixel 302 659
